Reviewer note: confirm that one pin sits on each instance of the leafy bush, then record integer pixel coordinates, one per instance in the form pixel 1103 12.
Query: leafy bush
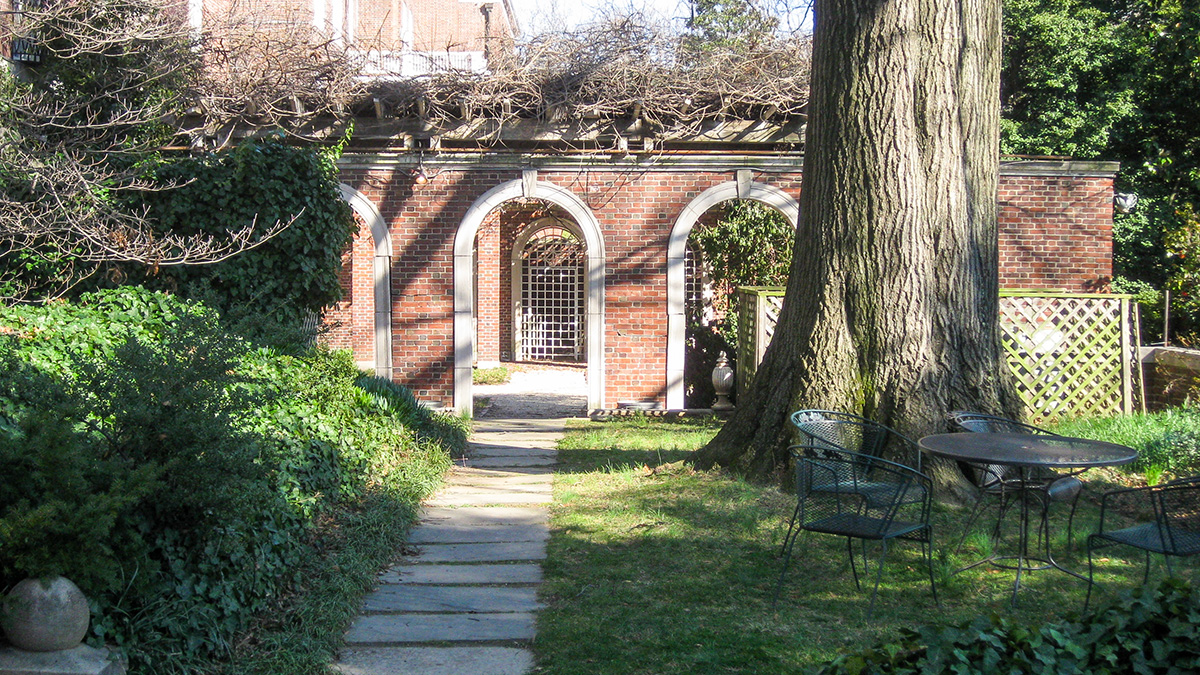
pixel 497 375
pixel 1144 631
pixel 277 285
pixel 177 473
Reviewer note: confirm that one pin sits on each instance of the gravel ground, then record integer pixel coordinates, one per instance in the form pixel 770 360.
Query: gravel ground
pixel 534 392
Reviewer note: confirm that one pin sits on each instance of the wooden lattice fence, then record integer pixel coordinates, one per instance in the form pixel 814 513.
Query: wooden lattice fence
pixel 1070 355
pixel 758 312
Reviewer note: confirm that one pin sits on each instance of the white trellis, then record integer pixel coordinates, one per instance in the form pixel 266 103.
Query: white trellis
pixel 1069 354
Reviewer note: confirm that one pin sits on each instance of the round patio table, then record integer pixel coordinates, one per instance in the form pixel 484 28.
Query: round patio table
pixel 1027 453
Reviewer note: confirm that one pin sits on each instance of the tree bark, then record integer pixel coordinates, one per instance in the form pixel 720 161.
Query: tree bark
pixel 892 304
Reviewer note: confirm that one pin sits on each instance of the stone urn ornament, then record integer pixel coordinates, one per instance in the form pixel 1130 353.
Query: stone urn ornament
pixel 45 615
pixel 722 380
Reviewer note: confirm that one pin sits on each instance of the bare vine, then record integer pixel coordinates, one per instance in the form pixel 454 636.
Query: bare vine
pixel 617 69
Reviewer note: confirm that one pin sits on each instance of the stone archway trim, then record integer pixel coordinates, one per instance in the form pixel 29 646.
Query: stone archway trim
pixel 381 276
pixel 676 272
pixel 464 287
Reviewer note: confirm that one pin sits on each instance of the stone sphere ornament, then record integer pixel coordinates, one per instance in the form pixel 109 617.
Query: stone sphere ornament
pixel 45 615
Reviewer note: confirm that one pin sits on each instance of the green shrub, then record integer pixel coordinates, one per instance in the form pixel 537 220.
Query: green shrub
pixel 449 431
pixel 1144 631
pixel 177 473
pixel 272 289
pixel 1167 440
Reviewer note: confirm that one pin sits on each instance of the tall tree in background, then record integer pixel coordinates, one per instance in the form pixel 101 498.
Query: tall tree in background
pixel 891 307
pixel 728 23
pixel 1118 80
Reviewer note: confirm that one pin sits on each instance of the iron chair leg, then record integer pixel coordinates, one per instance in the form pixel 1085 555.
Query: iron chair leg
pixel 878 578
pixel 791 529
pixel 1091 578
pixel 927 551
pixel 787 557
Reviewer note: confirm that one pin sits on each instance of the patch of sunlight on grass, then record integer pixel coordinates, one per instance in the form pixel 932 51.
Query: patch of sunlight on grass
pixel 663 570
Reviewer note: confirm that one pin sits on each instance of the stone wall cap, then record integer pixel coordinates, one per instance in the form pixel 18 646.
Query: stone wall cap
pixel 1018 166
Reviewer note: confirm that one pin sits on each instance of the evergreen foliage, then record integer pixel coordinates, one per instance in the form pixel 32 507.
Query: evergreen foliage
pixel 1117 80
pixel 287 279
pixel 177 473
pixel 1145 631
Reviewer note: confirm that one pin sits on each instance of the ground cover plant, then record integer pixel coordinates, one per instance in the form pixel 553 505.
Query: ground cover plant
pixel 497 375
pixel 656 568
pixel 210 496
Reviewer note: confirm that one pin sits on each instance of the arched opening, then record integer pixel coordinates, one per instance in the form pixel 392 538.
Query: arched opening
pixel 551 283
pixel 549 293
pixel 677 267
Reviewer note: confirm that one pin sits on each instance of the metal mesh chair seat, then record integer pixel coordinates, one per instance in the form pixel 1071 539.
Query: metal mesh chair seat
pixel 833 435
pixel 863 526
pixel 1151 537
pixel 1173 529
pixel 857 496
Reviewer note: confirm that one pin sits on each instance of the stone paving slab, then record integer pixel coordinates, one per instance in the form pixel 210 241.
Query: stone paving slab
pixel 473 497
pixel 464 553
pixel 512 471
pixel 535 438
pixel 436 661
pixel 380 629
pixel 540 428
pixel 484 516
pixel 464 534
pixel 496 487
pixel 506 462
pixel 516 573
pixel 507 449
pixel 393 598
pixel 497 478
pixel 515 479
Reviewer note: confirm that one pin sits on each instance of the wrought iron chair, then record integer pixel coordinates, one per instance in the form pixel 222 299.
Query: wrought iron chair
pixel 998 480
pixel 1165 519
pixel 855 433
pixel 831 432
pixel 831 500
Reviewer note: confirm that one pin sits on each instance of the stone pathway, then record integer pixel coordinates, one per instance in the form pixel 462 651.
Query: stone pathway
pixel 465 603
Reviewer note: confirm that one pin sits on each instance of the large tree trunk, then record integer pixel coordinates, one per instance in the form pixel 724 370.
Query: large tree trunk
pixel 891 308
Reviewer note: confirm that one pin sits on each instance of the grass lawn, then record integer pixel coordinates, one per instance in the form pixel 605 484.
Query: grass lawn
pixel 657 569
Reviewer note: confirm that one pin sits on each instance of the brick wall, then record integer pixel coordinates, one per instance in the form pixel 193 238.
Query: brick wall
pixel 351 321
pixel 1055 232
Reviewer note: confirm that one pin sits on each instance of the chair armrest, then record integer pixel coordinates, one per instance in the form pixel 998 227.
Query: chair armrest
pixel 1123 492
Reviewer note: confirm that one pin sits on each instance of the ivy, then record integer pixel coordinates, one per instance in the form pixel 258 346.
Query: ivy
pixel 1147 630
pixel 287 279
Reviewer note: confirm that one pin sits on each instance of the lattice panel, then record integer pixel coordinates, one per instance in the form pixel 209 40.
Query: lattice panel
pixel 771 306
pixel 758 309
pixel 552 300
pixel 747 364
pixel 1069 355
